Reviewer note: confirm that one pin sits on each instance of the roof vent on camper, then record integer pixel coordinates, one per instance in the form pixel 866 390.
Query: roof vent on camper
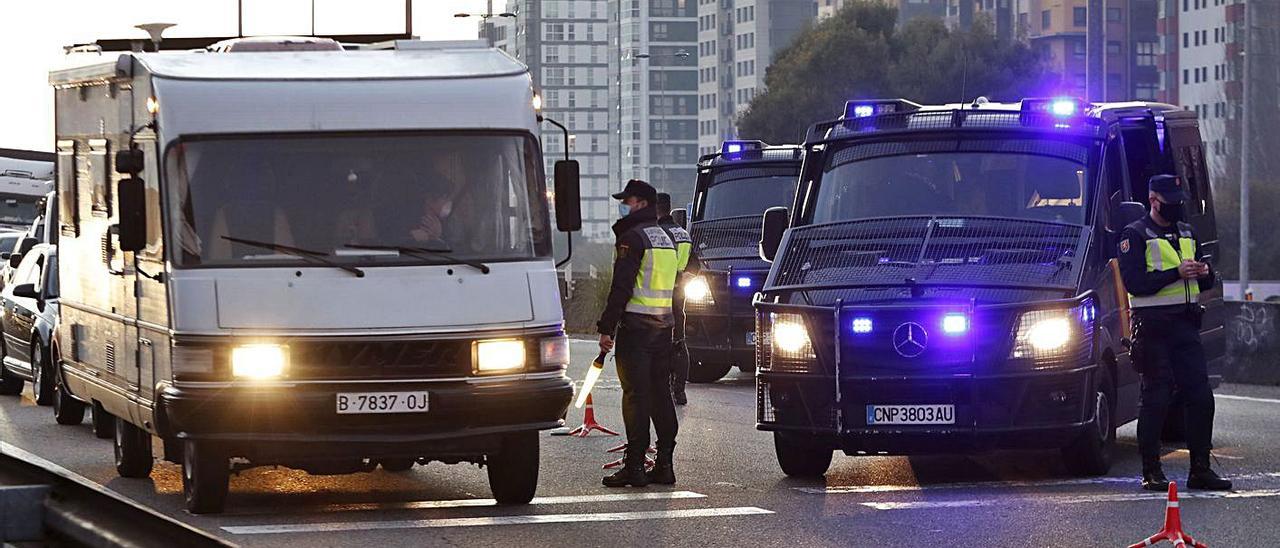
pixel 275 43
pixel 155 31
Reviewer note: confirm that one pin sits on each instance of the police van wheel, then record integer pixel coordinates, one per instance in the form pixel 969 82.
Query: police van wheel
pixel 800 456
pixel 104 423
pixel 513 470
pixel 1090 455
pixel 206 475
pixel 397 464
pixel 133 450
pixel 703 372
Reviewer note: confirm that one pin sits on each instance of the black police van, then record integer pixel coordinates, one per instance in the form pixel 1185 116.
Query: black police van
pixel 945 281
pixel 734 187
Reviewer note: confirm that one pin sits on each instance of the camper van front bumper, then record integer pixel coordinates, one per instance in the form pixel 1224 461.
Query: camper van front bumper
pixel 250 416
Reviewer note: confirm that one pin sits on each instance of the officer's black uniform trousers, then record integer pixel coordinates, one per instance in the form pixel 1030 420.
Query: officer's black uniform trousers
pixel 1175 361
pixel 644 368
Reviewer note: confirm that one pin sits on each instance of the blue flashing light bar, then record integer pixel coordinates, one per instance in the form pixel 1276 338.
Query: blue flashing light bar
pixel 1058 107
pixel 735 148
pixel 955 324
pixel 744 281
pixel 875 107
pixel 862 325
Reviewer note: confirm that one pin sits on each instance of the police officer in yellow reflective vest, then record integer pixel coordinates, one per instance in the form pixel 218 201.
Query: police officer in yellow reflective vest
pixel 1164 273
pixel 638 311
pixel 686 264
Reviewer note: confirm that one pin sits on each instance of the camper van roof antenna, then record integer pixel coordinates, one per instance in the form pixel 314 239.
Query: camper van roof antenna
pixel 155 31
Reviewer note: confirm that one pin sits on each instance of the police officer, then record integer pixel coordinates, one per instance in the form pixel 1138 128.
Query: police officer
pixel 1164 272
pixel 686 264
pixel 638 310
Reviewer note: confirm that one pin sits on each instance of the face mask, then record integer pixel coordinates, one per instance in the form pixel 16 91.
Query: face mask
pixel 1171 212
pixel 624 210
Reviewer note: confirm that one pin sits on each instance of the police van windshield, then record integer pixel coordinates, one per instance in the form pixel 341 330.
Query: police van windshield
pixel 748 191
pixel 476 197
pixel 1031 179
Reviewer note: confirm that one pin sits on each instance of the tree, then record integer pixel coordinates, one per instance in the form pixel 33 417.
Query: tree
pixel 860 53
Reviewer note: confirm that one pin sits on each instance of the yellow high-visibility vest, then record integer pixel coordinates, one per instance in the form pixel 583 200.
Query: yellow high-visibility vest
pixel 656 281
pixel 1161 256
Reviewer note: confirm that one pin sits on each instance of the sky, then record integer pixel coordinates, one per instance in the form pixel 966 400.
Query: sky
pixel 35 32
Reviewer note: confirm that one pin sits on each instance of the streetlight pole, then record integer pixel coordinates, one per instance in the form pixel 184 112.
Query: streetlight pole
pixel 1245 156
pixel 662 112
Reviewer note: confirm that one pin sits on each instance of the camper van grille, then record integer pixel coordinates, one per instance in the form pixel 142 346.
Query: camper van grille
pixel 378 359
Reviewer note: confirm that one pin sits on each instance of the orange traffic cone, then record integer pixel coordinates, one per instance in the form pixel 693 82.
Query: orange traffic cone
pixel 1172 530
pixel 589 423
pixel 648 461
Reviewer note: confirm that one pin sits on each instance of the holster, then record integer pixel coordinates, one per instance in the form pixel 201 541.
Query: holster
pixel 1138 345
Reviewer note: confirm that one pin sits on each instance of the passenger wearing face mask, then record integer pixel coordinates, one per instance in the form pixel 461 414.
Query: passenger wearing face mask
pixel 436 208
pixel 1164 273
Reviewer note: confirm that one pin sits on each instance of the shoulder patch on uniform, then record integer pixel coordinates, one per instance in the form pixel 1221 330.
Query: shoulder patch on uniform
pixel 681 235
pixel 1124 245
pixel 658 237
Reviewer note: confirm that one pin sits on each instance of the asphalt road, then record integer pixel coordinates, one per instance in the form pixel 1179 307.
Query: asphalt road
pixel 730 490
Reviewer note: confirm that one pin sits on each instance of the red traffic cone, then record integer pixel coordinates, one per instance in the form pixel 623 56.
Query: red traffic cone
pixel 589 423
pixel 1172 530
pixel 648 462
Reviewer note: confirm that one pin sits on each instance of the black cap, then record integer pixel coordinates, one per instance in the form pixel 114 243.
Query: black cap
pixel 639 189
pixel 1169 187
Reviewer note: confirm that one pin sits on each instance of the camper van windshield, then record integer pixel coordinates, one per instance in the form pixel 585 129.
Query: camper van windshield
pixel 1018 178
pixel 18 210
pixel 476 197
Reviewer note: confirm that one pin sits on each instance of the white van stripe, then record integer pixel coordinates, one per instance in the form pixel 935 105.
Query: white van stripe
pixel 1082 499
pixel 492 520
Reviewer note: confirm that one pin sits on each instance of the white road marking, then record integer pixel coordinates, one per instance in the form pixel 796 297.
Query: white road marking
pixel 473 503
pixel 1074 499
pixel 493 520
pixel 1245 398
pixel 863 489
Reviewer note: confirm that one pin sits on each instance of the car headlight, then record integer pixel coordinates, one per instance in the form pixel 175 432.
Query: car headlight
pixel 259 361
pixel 499 355
pixel 555 352
pixel 697 290
pixel 1043 334
pixel 790 337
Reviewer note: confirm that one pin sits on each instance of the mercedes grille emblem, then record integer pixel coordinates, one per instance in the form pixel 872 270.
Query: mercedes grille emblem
pixel 910 339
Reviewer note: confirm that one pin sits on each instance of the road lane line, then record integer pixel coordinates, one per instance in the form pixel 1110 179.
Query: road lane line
pixel 473 503
pixel 1245 398
pixel 492 520
pixel 1109 480
pixel 1082 499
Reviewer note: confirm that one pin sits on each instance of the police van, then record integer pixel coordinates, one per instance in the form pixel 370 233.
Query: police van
pixel 734 187
pixel 945 280
pixel 327 260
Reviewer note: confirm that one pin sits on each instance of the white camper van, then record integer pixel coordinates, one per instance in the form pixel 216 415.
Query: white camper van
pixel 25 177
pixel 323 260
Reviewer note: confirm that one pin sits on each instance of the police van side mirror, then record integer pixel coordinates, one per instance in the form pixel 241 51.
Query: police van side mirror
pixel 568 196
pixel 129 161
pixel 1130 212
pixel 681 217
pixel 775 223
pixel 132 232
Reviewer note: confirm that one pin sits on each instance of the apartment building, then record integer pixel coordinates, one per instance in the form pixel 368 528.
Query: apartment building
pixel 1115 62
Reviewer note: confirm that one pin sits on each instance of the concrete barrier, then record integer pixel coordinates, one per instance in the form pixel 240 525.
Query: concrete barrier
pixel 1253 343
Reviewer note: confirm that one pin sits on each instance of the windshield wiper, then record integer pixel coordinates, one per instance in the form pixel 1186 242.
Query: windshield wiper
pixel 313 256
pixel 425 253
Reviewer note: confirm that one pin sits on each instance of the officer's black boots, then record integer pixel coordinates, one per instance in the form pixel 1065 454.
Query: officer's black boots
pixel 1153 478
pixel 663 472
pixel 632 474
pixel 1202 477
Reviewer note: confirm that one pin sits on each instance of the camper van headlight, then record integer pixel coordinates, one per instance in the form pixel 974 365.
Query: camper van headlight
pixel 259 361
pixel 499 355
pixel 697 290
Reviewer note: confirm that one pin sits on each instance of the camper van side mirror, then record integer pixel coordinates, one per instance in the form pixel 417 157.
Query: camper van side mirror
pixel 26 291
pixel 133 215
pixel 568 196
pixel 681 217
pixel 129 161
pixel 775 223
pixel 1130 212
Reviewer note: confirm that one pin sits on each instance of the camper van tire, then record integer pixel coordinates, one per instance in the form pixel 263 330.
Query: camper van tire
pixel 104 424
pixel 1090 454
pixel 703 372
pixel 42 379
pixel 513 470
pixel 133 450
pixel 206 472
pixel 67 410
pixel 801 456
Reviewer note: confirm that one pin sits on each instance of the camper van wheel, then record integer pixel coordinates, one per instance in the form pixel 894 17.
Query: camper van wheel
pixel 104 424
pixel 800 456
pixel 42 385
pixel 513 471
pixel 206 472
pixel 133 450
pixel 67 410
pixel 703 372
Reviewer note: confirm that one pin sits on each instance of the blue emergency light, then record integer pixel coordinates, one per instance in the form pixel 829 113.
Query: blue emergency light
pixel 735 149
pixel 1058 107
pixel 862 325
pixel 955 324
pixel 744 281
pixel 876 107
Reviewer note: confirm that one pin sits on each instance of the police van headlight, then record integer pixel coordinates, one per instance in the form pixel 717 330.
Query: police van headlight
pixel 499 355
pixel 789 337
pixel 259 361
pixel 697 290
pixel 1044 334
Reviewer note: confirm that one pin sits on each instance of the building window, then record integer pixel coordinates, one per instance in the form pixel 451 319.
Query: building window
pixel 1045 19
pixel 1079 17
pixel 1113 15
pixel 1186 40
pixel 555 31
pixel 1077 49
pixel 1113 48
pixel 1186 76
